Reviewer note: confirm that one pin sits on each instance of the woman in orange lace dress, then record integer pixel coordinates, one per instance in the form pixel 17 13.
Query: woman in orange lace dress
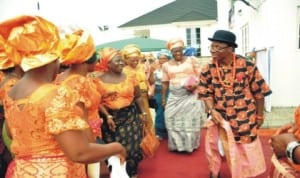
pixel 79 53
pixel 12 72
pixel 45 120
pixel 120 96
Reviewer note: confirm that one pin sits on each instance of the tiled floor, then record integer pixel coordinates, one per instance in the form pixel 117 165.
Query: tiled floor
pixel 279 116
pixel 275 123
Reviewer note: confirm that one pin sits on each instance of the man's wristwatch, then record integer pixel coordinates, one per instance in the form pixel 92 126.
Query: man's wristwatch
pixel 290 150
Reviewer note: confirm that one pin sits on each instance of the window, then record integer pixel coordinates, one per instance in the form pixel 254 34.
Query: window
pixel 198 36
pixel 142 33
pixel 193 39
pixel 245 39
pixel 188 37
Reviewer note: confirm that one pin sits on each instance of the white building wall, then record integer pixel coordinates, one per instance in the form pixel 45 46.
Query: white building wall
pixel 206 32
pixel 223 9
pixel 167 32
pixel 274 26
pixel 286 61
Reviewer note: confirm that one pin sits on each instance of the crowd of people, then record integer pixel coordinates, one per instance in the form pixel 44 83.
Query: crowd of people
pixel 66 108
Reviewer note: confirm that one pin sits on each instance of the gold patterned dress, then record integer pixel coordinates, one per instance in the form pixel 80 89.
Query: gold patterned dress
pixel 33 122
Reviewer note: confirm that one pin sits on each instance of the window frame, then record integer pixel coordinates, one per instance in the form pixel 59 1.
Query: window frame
pixel 193 38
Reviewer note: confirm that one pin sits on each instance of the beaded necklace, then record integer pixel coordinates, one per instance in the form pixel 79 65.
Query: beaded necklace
pixel 227 82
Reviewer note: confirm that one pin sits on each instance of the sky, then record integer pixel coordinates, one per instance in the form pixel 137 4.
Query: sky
pixel 88 14
pixel 102 12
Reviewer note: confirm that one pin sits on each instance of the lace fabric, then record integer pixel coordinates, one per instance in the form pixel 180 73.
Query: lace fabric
pixel 48 111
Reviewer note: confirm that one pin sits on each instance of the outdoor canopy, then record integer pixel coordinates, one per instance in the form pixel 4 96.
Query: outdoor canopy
pixel 145 44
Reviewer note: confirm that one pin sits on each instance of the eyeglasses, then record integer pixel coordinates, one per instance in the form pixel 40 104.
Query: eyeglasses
pixel 217 48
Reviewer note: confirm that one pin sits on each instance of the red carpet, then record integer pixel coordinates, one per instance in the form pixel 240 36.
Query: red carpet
pixel 167 164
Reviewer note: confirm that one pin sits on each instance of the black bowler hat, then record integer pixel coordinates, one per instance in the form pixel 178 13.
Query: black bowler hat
pixel 224 37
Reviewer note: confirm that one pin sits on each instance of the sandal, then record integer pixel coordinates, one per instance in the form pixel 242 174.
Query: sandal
pixel 159 137
pixel 211 175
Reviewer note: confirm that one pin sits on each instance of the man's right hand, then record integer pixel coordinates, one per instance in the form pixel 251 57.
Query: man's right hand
pixel 216 117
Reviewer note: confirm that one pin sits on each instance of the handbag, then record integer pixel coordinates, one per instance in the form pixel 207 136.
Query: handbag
pixel 152 103
pixel 190 83
pixel 150 143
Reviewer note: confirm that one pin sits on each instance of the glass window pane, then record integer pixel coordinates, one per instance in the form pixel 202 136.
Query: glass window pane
pixel 198 52
pixel 188 31
pixel 188 42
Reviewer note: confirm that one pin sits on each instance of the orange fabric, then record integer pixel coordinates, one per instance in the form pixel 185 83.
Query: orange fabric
pixel 106 54
pixel 7 86
pixel 131 50
pixel 249 86
pixel 175 43
pixel 33 122
pixel 86 88
pixel 76 48
pixel 1 76
pixel 116 96
pixel 140 74
pixel 295 166
pixel 54 166
pixel 30 40
pixel 297 134
pixel 244 160
pixel 297 122
pixel 282 168
pixel 6 61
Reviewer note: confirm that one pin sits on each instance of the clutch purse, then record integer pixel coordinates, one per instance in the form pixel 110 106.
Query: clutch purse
pixel 190 83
